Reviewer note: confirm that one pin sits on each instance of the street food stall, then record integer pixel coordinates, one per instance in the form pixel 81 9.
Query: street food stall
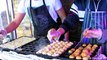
pixel 23 47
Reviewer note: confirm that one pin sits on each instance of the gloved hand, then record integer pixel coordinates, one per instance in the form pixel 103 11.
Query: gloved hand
pixel 3 33
pixel 1 37
pixel 53 35
pixel 94 33
pixel 50 34
pixel 100 57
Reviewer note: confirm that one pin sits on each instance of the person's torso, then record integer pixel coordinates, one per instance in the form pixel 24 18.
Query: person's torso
pixel 98 18
pixel 37 3
pixel 41 19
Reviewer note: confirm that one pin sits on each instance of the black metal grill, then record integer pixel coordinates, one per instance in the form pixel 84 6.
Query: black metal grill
pixel 27 49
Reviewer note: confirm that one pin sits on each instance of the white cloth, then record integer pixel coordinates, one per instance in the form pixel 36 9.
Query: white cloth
pixel 52 5
pixel 4 55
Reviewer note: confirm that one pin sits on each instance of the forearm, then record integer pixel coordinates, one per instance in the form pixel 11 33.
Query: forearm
pixel 70 21
pixel 15 23
pixel 11 27
pixel 61 14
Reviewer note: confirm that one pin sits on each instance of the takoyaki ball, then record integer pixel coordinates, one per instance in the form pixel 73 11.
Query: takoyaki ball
pixel 55 54
pixel 46 49
pixel 44 52
pixel 76 54
pixel 61 42
pixel 83 45
pixel 85 58
pixel 53 47
pixel 88 48
pixel 56 49
pixel 66 42
pixel 78 51
pixel 64 48
pixel 58 52
pixel 80 48
pixel 71 43
pixel 83 54
pixel 85 51
pixel 71 56
pixel 95 45
pixel 78 58
pixel 71 50
pixel 53 50
pixel 92 50
pixel 49 48
pixel 61 50
pixel 89 45
pixel 49 53
pixel 61 46
pixel 56 45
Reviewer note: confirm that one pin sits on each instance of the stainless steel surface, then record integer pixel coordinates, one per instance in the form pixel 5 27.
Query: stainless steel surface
pixel 17 43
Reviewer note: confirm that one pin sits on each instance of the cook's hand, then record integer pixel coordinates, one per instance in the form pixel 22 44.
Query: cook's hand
pixel 94 33
pixel 1 37
pixel 50 34
pixel 3 33
pixel 53 35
